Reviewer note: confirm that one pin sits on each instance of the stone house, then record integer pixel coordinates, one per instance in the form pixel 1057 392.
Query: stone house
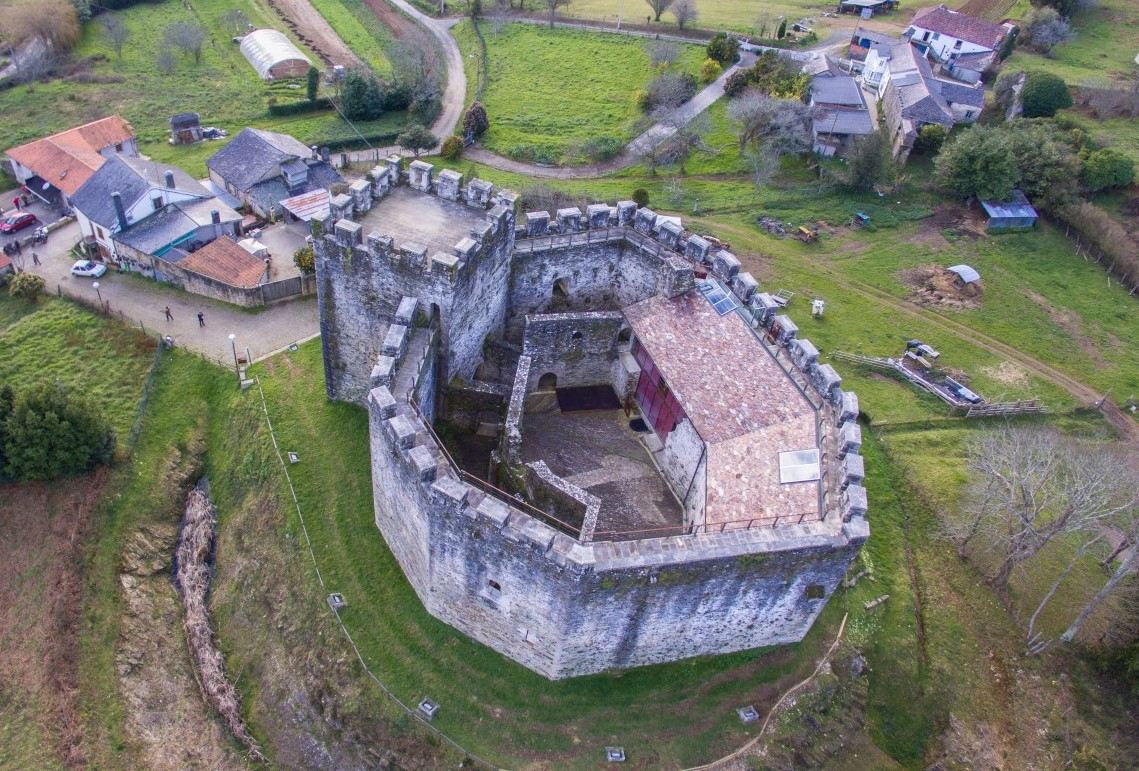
pixel 54 168
pixel 132 209
pixel 841 115
pixel 263 168
pixel 912 97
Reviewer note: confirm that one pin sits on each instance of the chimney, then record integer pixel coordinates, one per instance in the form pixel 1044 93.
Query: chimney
pixel 117 199
pixel 215 218
pixel 325 155
pixel 315 152
pixel 170 180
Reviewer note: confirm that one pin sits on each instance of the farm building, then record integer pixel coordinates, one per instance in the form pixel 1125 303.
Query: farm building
pixel 1016 212
pixel 273 55
pixel 866 8
pixel 185 129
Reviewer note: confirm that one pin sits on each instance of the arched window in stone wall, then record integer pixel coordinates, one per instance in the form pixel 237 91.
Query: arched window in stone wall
pixel 548 382
pixel 561 287
pixel 625 336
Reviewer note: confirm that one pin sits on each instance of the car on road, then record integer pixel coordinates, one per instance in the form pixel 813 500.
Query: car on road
pixel 88 268
pixel 14 222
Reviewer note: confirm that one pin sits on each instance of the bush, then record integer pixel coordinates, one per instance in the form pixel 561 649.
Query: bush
pixel 312 83
pixel 50 434
pixel 669 89
pixel 710 70
pixel 452 148
pixel 1108 168
pixel 1044 94
pixel 298 108
pixel 930 138
pixel 543 155
pixel 29 286
pixel 641 196
pixel 305 260
pixel 361 96
pixel 417 138
pixel 724 48
pixel 476 121
pixel 602 148
pixel 737 83
pixel 978 162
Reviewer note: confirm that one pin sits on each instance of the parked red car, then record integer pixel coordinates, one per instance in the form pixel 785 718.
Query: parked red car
pixel 17 222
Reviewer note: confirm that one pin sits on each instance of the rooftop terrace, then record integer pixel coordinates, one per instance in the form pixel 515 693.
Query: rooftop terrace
pixel 409 216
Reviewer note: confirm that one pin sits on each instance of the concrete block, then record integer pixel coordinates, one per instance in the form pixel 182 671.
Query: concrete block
pixel 669 234
pixel 416 254
pixel 383 372
pixel 626 211
pixel 853 469
pixel 788 329
pixel 569 219
pixel 848 406
pixel 446 264
pixel 645 221
pixel 419 175
pixel 696 248
pixel 466 249
pixel 395 342
pixel 854 502
pixel 382 402
pixel 597 215
pixel 405 313
pixel 478 193
pixel 341 206
pixel 849 439
pixel 380 243
pixel 402 431
pixel 447 184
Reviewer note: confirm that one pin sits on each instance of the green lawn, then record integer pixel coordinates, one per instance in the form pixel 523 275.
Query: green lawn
pixel 57 341
pixel 223 88
pixel 553 88
pixel 359 28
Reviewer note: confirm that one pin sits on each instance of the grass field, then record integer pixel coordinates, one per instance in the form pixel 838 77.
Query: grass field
pixel 360 30
pixel 223 88
pixel 55 340
pixel 553 88
pixel 1104 50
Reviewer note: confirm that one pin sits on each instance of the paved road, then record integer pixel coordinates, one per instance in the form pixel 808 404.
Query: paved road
pixel 139 300
pixel 455 93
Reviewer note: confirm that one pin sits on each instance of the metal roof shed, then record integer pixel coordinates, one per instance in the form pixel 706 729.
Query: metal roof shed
pixel 273 55
pixel 967 274
pixel 1016 212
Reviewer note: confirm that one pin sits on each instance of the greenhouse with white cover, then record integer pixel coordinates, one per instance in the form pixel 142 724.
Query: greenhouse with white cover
pixel 273 55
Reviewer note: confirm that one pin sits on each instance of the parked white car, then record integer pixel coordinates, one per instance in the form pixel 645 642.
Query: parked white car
pixel 88 268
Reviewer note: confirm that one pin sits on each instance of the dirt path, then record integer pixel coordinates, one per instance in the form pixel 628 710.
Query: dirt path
pixel 312 30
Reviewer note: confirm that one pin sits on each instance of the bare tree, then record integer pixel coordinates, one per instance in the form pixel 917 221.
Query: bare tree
pixel 188 36
pixel 116 31
pixel 165 61
pixel 682 136
pixel 763 164
pixel 415 62
pixel 664 53
pixel 1031 486
pixel 782 125
pixel 685 12
pixel 552 6
pixel 498 16
pixel 1127 566
pixel 1047 29
pixel 659 7
pixel 236 22
pixel 1089 541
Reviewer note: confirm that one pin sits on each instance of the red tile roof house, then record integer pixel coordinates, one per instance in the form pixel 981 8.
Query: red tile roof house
pixel 221 269
pixel 54 168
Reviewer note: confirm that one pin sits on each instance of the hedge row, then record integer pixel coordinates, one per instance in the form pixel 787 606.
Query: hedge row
pixel 297 108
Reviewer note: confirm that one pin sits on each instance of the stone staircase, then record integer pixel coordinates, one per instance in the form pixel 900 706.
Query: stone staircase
pixel 408 373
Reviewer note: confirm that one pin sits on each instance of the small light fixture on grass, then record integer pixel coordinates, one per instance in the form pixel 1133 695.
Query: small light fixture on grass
pixel 615 754
pixel 748 714
pixel 336 601
pixel 294 458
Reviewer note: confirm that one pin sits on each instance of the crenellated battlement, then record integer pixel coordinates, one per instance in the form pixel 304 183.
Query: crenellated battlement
pixel 420 279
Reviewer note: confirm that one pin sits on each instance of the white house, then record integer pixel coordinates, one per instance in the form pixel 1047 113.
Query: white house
pixel 948 34
pixel 55 167
pixel 133 208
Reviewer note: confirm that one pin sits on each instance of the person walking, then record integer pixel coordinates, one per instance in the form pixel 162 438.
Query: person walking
pixel 36 259
pixel 16 202
pixel 19 249
pixel 201 319
pixel 169 315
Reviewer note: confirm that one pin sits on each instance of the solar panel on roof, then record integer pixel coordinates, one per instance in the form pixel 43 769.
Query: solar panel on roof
pixel 720 298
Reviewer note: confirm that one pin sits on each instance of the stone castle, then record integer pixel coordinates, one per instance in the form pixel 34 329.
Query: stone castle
pixel 671 472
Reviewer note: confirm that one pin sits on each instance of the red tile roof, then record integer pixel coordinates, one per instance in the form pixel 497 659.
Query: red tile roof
pixel 5 262
pixel 959 25
pixel 224 260
pixel 68 159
